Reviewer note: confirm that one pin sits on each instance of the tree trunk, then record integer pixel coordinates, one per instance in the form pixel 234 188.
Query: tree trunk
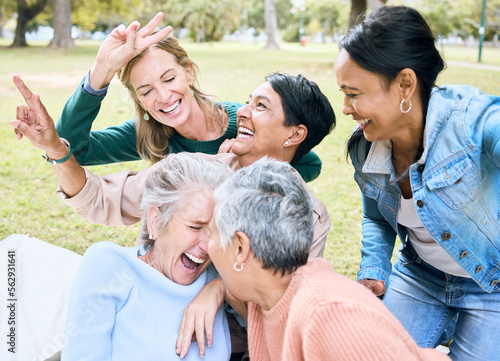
pixel 62 23
pixel 25 14
pixel 375 4
pixel 271 25
pixel 358 8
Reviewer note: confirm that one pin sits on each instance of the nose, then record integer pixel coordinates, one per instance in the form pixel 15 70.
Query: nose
pixel 163 94
pixel 244 112
pixel 347 106
pixel 203 242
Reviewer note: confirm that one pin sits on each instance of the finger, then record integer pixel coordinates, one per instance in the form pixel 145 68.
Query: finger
pixel 186 331
pixel 200 337
pixel 23 89
pixel 155 38
pixel 120 29
pixel 22 112
pixel 151 26
pixel 18 134
pixel 209 329
pixel 132 35
pixel 22 129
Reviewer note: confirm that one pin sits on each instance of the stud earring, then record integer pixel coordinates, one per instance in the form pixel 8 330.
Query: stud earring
pixel 286 143
pixel 150 237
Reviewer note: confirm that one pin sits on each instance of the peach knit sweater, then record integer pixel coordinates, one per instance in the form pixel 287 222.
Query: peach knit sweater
pixel 326 316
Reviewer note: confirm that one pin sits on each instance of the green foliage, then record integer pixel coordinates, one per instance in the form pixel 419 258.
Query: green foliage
pixel 207 21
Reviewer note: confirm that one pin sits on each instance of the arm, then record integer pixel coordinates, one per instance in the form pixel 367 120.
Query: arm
pixel 321 228
pixel 378 244
pixel 113 199
pixel 110 145
pixel 82 108
pixel 98 292
pixel 491 133
pixel 309 166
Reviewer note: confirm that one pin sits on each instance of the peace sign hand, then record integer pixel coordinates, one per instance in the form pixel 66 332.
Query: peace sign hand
pixel 121 45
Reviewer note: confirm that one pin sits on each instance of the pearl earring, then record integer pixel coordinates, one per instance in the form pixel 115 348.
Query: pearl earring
pixel 286 143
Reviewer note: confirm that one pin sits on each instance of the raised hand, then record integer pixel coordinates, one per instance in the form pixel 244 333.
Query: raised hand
pixel 34 122
pixel 121 45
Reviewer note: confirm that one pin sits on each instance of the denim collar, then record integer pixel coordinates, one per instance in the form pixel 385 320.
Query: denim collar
pixel 379 158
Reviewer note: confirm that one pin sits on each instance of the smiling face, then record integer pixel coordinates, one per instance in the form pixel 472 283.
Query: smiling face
pixel 261 129
pixel 180 252
pixel 162 87
pixel 370 101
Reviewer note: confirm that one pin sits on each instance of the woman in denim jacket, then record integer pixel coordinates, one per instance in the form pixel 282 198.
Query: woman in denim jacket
pixel 427 161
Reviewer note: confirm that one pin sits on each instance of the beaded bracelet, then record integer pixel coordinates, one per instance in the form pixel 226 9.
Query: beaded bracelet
pixel 62 160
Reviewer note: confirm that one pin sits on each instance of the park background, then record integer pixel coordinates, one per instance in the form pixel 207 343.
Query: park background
pixel 231 68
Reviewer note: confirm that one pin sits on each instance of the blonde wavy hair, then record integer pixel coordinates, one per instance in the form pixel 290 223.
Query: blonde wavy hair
pixel 153 136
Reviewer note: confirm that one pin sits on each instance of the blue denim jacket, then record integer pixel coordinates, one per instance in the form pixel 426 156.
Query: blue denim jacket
pixel 455 185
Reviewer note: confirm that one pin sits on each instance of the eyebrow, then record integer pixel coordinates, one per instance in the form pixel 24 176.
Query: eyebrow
pixel 260 97
pixel 164 73
pixel 348 87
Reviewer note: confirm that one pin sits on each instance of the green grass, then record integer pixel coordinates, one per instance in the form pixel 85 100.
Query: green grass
pixel 27 192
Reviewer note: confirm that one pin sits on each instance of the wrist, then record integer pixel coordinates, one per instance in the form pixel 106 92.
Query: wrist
pixel 100 77
pixel 58 154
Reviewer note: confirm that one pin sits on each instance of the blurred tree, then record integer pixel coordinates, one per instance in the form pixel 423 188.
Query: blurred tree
pixel 271 24
pixel 26 11
pixel 207 21
pixel 358 9
pixel 61 22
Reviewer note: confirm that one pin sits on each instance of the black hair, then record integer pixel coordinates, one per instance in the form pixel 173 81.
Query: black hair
pixel 389 40
pixel 304 103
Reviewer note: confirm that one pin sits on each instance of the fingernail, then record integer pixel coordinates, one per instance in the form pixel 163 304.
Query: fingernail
pixel 201 355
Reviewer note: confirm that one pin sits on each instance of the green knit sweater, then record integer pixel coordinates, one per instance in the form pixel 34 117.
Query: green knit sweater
pixel 118 143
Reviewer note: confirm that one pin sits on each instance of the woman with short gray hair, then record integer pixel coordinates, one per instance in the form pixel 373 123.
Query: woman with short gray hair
pixel 298 308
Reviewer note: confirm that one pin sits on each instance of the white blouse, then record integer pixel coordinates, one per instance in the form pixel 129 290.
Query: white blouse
pixel 423 243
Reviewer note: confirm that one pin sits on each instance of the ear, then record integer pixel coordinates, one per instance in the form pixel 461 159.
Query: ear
pixel 407 82
pixel 241 244
pixel 190 74
pixel 152 221
pixel 298 135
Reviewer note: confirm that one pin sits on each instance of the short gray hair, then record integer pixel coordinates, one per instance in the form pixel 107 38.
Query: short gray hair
pixel 175 178
pixel 270 204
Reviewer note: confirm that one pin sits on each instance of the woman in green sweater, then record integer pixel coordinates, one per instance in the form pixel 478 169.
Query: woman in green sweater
pixel 173 114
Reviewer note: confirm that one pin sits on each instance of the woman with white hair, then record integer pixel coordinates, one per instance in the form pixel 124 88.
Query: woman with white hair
pixel 126 302
pixel 298 308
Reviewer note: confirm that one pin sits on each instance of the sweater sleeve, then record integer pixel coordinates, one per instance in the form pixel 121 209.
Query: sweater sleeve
pixel 309 166
pixel 110 145
pixel 113 199
pixel 99 291
pixel 321 228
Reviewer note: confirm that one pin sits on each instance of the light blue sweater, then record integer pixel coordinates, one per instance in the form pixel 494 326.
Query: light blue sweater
pixel 120 308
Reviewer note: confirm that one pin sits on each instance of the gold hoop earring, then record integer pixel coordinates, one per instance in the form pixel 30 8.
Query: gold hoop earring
pixel 238 269
pixel 401 106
